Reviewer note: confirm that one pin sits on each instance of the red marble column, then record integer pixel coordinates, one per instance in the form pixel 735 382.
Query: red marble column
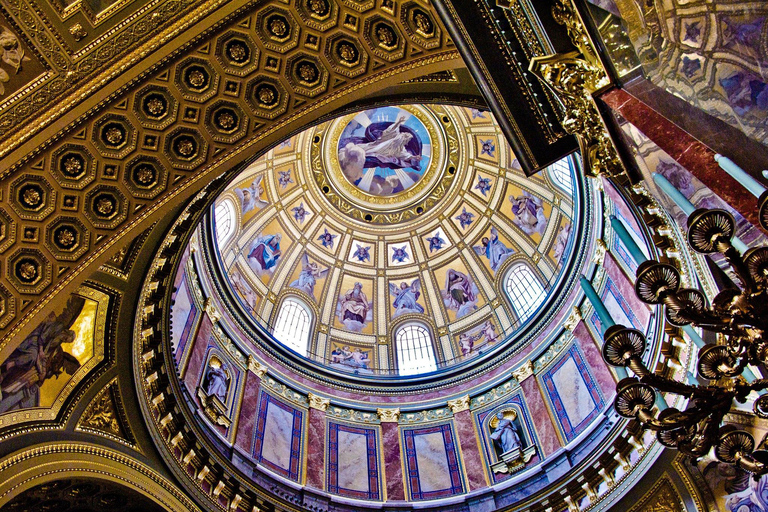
pixel 542 420
pixel 316 442
pixel 246 422
pixel 197 354
pixel 393 467
pixel 695 156
pixel 470 448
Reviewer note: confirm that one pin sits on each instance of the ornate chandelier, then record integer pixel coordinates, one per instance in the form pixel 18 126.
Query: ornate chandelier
pixel 741 318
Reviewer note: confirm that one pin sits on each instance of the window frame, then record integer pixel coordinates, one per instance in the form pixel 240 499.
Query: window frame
pixel 301 306
pixel 427 345
pixel 524 312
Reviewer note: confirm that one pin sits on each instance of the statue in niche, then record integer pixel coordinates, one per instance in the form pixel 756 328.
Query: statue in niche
pixel 213 392
pixel 504 435
pixel 509 445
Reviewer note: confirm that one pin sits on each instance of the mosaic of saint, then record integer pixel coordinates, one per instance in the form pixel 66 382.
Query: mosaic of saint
pixel 384 151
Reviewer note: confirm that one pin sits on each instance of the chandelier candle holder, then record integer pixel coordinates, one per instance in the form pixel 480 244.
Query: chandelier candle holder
pixel 754 187
pixel 739 315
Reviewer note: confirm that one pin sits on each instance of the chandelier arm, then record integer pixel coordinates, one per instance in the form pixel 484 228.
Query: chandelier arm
pixel 671 386
pixel 748 462
pixel 734 259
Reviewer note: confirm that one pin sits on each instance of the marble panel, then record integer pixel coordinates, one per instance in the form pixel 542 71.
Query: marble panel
pixel 574 396
pixel 197 354
pixel 549 443
pixel 353 464
pixel 432 462
pixel 183 317
pixel 277 442
pixel 248 411
pixel 316 449
pixel 470 450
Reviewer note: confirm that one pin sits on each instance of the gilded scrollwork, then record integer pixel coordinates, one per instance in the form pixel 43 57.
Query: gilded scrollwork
pixel 575 77
pixel 11 54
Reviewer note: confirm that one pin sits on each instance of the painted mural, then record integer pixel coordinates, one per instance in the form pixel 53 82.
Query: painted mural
pixel 439 268
pixel 55 356
pixel 384 151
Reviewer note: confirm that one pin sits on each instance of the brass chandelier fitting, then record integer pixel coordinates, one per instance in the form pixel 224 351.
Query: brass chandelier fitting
pixel 739 315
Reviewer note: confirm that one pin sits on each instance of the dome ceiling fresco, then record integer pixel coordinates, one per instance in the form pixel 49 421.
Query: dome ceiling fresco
pixel 393 217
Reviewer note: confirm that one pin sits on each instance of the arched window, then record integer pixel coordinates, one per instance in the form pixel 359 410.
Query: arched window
pixel 414 350
pixel 292 325
pixel 524 290
pixel 224 218
pixel 561 173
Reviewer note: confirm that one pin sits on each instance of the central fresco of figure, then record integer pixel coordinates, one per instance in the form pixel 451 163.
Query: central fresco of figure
pixel 412 221
pixel 384 151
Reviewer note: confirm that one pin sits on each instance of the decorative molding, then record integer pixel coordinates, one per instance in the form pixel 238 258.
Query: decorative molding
pixel 524 371
pixel 256 367
pixel 573 319
pixel 574 77
pixel 106 416
pixel 662 497
pixel 318 402
pixel 459 404
pixel 600 250
pixel 388 415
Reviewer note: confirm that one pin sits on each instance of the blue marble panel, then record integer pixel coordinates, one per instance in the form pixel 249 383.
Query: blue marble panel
pixel 353 463
pixel 277 442
pixel 432 462
pixel 572 393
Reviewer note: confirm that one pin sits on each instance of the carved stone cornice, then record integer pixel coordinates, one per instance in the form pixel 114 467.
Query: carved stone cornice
pixel 256 367
pixel 525 371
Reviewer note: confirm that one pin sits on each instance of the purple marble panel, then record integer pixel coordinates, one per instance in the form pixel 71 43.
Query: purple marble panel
pixel 470 450
pixel 627 290
pixel 197 355
pixel 545 429
pixel 316 449
pixel 393 468
pixel 248 410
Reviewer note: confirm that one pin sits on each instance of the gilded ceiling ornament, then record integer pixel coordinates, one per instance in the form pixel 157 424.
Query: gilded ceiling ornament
pixel 77 31
pixel 388 415
pixel 318 402
pixel 197 78
pixel 66 237
pixel 386 36
pixel 72 165
pixel 423 23
pixel 459 404
pixel 103 415
pixel 278 27
pixel 155 105
pixel 11 53
pixel 105 205
pixel 237 51
pixel 27 270
pixel 319 7
pixel 31 197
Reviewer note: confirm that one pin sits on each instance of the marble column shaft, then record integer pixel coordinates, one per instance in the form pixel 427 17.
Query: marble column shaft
pixel 470 450
pixel 393 467
pixel 695 156
pixel 248 411
pixel 316 449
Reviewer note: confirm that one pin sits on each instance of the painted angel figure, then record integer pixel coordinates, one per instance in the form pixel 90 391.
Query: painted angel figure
pixel 460 293
pixel 467 342
pixel 244 289
pixel 327 239
pixel 493 249
pixel 362 253
pixel 483 185
pixel 299 213
pixel 265 253
pixel 561 242
pixel 406 297
pixel 399 254
pixel 250 197
pixel 310 273
pixel 488 329
pixel 465 218
pixel 435 242
pixel 529 213
pixel 284 178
